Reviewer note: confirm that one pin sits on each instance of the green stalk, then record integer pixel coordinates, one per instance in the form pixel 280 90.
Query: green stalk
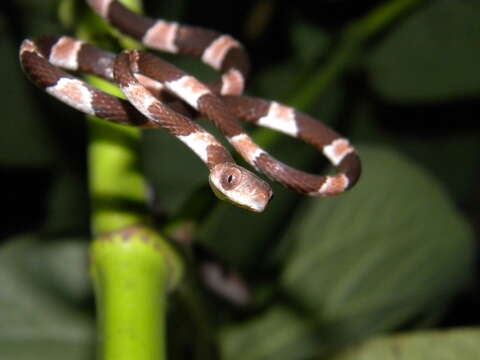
pixel 350 47
pixel 132 266
pixel 117 185
pixel 132 270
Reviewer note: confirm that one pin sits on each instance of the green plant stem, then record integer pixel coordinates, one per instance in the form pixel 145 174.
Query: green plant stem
pixel 129 272
pixel 117 186
pixel 132 270
pixel 351 44
pixel 132 266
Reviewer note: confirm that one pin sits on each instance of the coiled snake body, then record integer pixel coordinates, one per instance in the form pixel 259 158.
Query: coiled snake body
pixel 143 78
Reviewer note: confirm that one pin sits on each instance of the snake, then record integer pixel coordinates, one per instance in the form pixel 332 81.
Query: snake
pixel 149 83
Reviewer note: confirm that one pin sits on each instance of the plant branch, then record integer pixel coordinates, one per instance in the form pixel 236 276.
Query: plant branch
pixel 132 266
pixel 132 270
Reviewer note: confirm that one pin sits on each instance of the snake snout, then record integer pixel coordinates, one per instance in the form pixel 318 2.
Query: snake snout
pixel 239 186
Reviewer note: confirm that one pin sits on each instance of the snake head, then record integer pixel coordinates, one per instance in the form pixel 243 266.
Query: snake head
pixel 240 187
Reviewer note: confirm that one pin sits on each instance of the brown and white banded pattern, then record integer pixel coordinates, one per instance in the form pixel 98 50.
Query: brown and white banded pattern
pixel 72 91
pixel 224 111
pixel 219 51
pixel 145 78
pixel 291 122
pixel 230 181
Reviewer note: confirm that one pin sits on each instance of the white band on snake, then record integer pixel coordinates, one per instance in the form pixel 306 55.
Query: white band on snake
pixel 144 79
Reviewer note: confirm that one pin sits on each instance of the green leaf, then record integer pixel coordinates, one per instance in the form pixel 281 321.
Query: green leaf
pixel 433 54
pixel 61 266
pixel 37 322
pixel 458 344
pixel 460 150
pixel 278 334
pixel 375 258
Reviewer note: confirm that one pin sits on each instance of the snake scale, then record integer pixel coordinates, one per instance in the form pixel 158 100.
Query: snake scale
pixel 145 79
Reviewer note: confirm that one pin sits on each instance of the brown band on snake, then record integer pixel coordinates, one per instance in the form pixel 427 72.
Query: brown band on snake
pixel 75 92
pixel 228 180
pixel 136 72
pixel 221 52
pixel 197 95
pixel 50 52
pixel 294 123
pixel 127 21
pixel 75 55
pixel 270 114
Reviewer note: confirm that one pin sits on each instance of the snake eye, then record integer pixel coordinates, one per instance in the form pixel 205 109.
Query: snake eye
pixel 231 178
pixel 239 186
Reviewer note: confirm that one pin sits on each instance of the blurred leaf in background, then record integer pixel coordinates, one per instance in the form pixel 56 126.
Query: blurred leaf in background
pixel 42 286
pixel 432 56
pixel 448 345
pixel 367 262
